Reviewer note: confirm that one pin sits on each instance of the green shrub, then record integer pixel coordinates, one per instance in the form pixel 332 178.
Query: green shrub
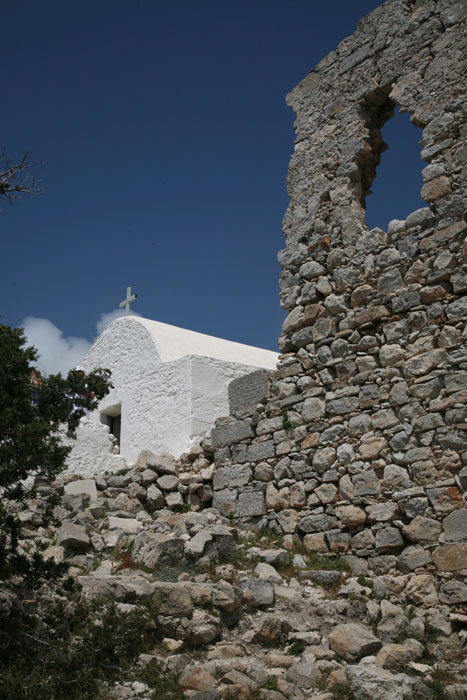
pixel 71 652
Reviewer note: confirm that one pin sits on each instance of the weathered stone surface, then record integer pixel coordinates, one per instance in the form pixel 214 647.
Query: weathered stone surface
pixel 424 363
pixel 393 625
pixel 251 504
pixel 173 599
pixel 270 629
pixel 453 592
pixel 451 557
pixel 277 499
pixel 366 483
pixel 261 450
pixel 263 570
pixel 317 523
pixel 229 431
pixel 422 529
pixel 371 449
pixel 327 493
pixel 395 656
pixel 73 536
pixel 168 482
pixel 353 640
pixel 247 391
pixel 230 477
pixel 421 590
pixel 371 681
pixel 196 678
pixel 323 458
pixel 86 487
pixel 304 674
pixel 288 520
pixel 154 550
pixel 340 407
pixel 455 526
pixel 258 593
pixel 313 409
pixel 351 516
pixel 383 512
pixel 126 524
pixel 388 539
pixel 412 558
pixel 225 597
pixel 154 498
pixel 196 546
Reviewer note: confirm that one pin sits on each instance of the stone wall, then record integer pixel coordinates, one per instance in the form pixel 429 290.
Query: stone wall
pixel 361 444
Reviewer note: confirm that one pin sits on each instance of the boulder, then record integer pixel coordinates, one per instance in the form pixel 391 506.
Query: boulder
pixel 369 680
pixel 393 625
pixel 353 641
pixel 155 550
pixel 257 593
pixel 85 487
pixel 73 536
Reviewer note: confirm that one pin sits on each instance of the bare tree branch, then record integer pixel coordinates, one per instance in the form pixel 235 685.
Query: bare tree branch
pixel 16 179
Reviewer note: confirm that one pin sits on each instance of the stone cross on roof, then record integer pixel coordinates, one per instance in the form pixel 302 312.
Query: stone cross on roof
pixel 126 302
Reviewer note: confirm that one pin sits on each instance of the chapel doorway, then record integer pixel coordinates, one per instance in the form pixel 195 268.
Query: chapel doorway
pixel 112 417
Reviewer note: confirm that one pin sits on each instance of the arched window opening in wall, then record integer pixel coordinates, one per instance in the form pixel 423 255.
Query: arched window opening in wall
pixel 395 190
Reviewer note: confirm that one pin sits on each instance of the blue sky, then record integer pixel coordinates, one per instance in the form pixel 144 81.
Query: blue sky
pixel 164 139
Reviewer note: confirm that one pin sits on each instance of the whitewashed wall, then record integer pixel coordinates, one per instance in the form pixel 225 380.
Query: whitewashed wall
pixel 93 450
pixel 168 391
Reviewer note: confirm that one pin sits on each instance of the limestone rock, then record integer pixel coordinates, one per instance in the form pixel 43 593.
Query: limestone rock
pixel 85 487
pixel 269 629
pixel 196 678
pixel 421 590
pixel 353 641
pixel 304 675
pixel 395 656
pixel 73 536
pixel 372 681
pixel 453 592
pixel 412 558
pixel 451 557
pixel 168 482
pixel 351 516
pixel 422 530
pixel 154 550
pixel 154 498
pixel 393 625
pixel 455 526
pixel 257 593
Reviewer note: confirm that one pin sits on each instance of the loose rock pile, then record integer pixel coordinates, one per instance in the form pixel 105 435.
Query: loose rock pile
pixel 249 614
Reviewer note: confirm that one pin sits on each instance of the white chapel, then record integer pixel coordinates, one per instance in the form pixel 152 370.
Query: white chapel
pixel 170 385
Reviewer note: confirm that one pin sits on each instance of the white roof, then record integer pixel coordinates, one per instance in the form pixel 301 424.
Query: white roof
pixel 172 343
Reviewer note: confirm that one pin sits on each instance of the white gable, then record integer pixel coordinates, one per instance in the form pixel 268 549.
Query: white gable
pixel 170 384
pixel 173 343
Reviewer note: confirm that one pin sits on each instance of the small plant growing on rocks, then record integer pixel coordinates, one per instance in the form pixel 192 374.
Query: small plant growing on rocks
pixel 181 508
pixel 271 683
pixel 288 425
pixel 297 648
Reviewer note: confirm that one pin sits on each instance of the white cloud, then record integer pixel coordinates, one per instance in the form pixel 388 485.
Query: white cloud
pixel 57 352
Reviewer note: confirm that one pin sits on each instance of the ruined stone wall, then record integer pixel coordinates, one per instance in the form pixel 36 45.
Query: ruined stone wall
pixel 361 444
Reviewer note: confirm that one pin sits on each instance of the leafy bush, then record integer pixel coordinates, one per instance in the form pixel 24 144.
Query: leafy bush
pixel 32 416
pixel 74 652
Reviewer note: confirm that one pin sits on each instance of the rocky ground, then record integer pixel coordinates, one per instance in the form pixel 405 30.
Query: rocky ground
pixel 246 614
